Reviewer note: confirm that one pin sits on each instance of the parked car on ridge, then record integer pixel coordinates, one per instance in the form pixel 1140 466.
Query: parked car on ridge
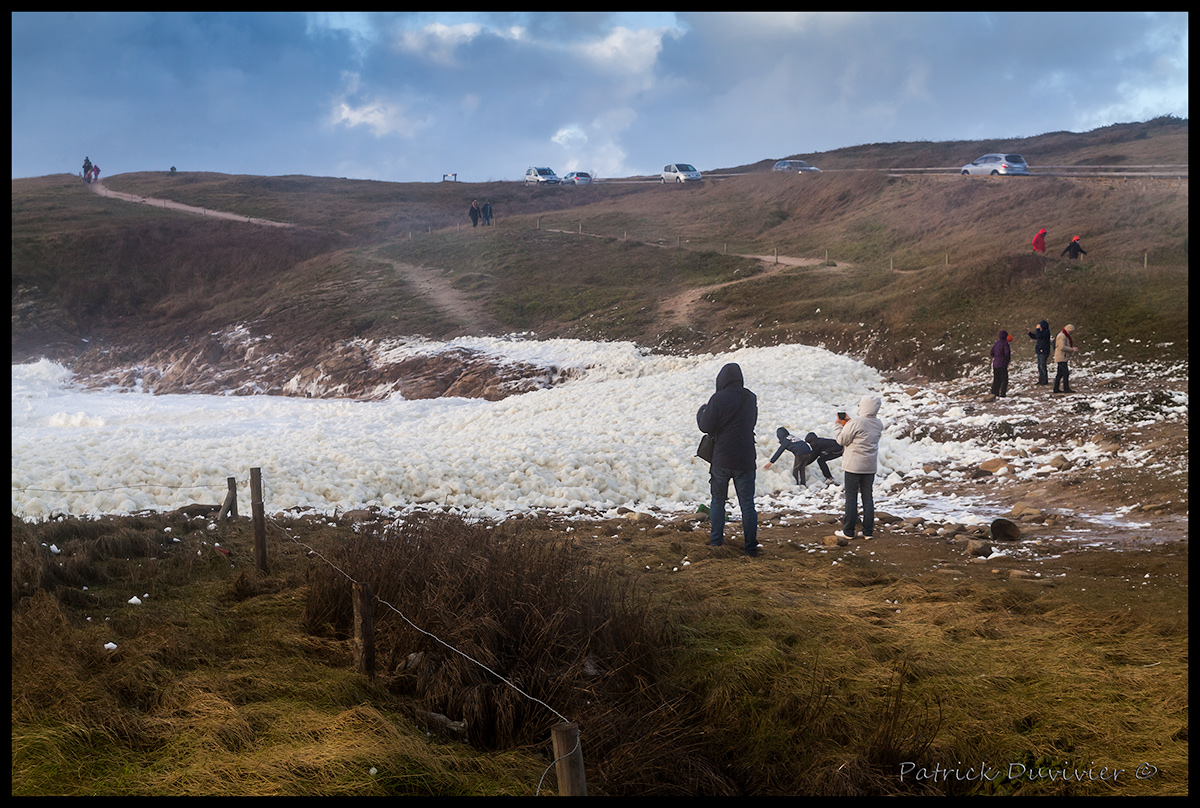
pixel 541 176
pixel 993 164
pixel 680 172
pixel 797 166
pixel 577 178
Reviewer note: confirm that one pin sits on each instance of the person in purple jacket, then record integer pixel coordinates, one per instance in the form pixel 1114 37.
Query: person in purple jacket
pixel 1001 356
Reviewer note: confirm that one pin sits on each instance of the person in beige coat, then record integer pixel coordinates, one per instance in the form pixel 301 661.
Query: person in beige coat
pixel 1064 346
pixel 860 437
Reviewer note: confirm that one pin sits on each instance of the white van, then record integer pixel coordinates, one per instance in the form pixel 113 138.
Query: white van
pixel 541 176
pixel 680 172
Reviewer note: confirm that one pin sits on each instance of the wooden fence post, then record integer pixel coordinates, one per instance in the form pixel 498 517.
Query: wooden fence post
pixel 364 629
pixel 568 757
pixel 229 506
pixel 260 522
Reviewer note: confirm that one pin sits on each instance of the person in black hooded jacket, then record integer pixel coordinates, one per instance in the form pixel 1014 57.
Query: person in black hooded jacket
pixel 790 443
pixel 1042 348
pixel 1073 250
pixel 730 416
pixel 824 450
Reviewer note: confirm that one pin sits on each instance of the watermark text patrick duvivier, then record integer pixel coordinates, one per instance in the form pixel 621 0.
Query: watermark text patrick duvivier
pixel 985 771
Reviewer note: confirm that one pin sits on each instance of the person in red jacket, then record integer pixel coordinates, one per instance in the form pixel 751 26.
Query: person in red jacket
pixel 1039 242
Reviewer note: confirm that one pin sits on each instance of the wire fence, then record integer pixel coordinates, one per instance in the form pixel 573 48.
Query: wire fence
pixel 568 754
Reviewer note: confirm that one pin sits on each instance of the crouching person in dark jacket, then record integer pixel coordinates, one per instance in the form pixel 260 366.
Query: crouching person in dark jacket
pixel 824 450
pixel 802 451
pixel 730 416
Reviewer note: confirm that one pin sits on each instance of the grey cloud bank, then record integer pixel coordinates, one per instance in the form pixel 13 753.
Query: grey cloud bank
pixel 410 96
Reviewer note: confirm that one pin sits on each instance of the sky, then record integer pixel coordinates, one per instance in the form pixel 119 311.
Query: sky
pixel 412 96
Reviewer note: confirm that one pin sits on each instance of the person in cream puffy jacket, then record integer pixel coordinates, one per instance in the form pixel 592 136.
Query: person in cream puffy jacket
pixel 860 460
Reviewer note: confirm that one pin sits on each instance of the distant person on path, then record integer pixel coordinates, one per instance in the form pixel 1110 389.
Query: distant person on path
pixel 860 437
pixel 1039 242
pixel 474 213
pixel 1042 347
pixel 1074 248
pixel 802 451
pixel 730 417
pixel 1001 356
pixel 1064 346
pixel 486 211
pixel 95 173
pixel 87 169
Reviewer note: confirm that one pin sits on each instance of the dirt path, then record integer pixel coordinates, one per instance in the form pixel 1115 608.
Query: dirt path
pixel 97 187
pixel 434 286
pixel 679 310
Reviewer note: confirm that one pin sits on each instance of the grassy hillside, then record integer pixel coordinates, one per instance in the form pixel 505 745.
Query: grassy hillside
pixel 1162 141
pixel 898 267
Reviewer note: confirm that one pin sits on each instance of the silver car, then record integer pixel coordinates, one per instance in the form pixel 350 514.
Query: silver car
pixel 797 166
pixel 541 176
pixel 994 164
pixel 577 178
pixel 680 172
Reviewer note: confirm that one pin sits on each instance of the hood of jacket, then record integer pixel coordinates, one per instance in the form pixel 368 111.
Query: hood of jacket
pixel 783 434
pixel 1045 325
pixel 869 406
pixel 730 376
pixel 1003 337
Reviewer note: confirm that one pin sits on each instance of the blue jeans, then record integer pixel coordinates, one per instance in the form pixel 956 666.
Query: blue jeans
pixel 743 484
pixel 856 484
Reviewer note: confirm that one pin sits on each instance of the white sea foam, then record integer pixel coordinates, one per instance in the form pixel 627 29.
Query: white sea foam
pixel 620 432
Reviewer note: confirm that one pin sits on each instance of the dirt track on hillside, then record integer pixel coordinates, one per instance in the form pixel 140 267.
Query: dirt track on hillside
pixel 681 309
pixel 98 188
pixel 435 287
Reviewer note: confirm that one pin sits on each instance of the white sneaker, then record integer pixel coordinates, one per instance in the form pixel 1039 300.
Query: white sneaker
pixel 841 534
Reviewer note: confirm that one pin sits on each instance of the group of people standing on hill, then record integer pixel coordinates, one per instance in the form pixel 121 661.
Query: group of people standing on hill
pixel 1073 250
pixel 480 214
pixel 730 417
pixel 1061 346
pixel 91 171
